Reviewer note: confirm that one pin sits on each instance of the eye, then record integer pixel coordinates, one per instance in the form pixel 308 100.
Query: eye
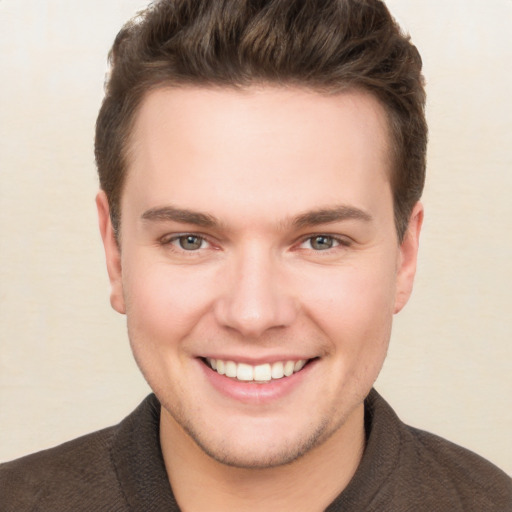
pixel 188 242
pixel 320 242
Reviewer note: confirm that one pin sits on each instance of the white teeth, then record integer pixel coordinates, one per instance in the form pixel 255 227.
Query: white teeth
pixel 244 372
pixel 262 373
pixel 299 365
pixel 288 368
pixel 230 369
pixel 259 373
pixel 278 370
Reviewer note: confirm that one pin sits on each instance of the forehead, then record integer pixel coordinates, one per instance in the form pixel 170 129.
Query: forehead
pixel 205 108
pixel 258 143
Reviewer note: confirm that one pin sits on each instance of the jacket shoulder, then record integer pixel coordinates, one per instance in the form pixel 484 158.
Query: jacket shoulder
pixel 405 468
pixel 67 477
pixel 477 483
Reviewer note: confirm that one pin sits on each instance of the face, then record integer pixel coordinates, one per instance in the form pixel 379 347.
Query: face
pixel 259 266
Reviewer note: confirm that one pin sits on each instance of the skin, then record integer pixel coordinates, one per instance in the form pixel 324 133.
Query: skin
pixel 246 172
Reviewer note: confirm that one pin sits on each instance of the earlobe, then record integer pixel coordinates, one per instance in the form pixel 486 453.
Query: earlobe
pixel 408 258
pixel 112 253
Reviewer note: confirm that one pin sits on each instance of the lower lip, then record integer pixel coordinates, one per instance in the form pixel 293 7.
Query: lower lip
pixel 252 392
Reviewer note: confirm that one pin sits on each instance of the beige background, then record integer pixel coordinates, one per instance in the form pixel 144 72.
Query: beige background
pixel 65 365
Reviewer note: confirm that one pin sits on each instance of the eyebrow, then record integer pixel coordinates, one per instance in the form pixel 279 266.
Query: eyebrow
pixel 328 215
pixel 170 213
pixel 307 219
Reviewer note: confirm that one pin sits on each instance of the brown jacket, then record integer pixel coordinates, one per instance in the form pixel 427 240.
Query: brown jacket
pixel 121 469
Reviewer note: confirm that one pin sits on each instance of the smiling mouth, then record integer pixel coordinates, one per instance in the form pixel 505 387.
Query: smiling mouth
pixel 261 373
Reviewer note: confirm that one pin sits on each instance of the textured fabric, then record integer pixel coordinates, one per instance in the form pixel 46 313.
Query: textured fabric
pixel 121 469
pixel 117 469
pixel 408 470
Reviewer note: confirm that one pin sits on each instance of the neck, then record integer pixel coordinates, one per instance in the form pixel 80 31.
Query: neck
pixel 310 483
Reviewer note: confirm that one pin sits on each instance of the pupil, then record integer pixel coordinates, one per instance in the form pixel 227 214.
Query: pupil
pixel 190 242
pixel 322 242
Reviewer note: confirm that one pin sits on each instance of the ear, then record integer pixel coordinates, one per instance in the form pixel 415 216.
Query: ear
pixel 408 258
pixel 112 253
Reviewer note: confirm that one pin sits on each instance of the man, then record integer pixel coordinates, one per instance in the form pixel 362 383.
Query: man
pixel 261 165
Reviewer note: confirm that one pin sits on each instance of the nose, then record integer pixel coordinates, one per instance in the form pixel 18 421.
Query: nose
pixel 256 297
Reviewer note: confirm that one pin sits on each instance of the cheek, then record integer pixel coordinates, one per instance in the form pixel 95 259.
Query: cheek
pixel 354 305
pixel 164 303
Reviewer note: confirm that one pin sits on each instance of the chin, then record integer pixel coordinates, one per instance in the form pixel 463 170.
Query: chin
pixel 258 448
pixel 258 456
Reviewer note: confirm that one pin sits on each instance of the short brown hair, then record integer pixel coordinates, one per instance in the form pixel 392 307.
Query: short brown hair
pixel 326 45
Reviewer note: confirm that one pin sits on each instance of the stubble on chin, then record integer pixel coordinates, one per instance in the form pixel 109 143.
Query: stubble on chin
pixel 263 455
